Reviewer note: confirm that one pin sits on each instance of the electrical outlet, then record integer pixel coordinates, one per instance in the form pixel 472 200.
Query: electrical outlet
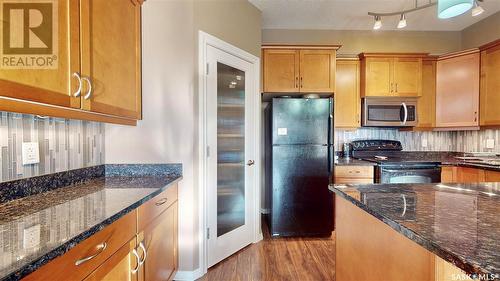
pixel 31 236
pixel 31 153
pixel 490 143
pixel 424 142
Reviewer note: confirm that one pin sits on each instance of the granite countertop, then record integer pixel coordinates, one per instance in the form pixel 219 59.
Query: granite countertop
pixel 353 162
pixel 458 222
pixel 81 203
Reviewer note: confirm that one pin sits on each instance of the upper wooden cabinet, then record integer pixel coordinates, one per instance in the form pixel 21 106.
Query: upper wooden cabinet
pixel 385 75
pixel 457 90
pixel 94 65
pixel 490 85
pixel 347 99
pixel 294 69
pixel 427 102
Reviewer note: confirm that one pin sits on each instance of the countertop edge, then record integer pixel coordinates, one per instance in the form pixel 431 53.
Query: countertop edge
pixel 73 242
pixel 415 237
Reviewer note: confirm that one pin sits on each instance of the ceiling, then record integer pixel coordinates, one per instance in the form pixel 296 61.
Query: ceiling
pixel 352 14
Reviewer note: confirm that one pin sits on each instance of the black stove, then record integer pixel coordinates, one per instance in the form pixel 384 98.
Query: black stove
pixel 394 166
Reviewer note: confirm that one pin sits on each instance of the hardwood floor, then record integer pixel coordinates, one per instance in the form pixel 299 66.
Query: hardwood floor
pixel 276 259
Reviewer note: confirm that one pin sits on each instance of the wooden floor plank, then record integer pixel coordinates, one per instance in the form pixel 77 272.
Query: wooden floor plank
pixel 279 259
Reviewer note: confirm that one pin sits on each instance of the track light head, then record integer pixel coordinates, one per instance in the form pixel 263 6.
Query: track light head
pixel 477 10
pixel 402 21
pixel 378 23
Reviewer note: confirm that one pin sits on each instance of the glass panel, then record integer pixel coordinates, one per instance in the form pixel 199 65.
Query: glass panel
pixel 230 148
pixel 384 112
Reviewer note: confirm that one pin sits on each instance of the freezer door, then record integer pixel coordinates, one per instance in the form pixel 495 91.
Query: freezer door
pixel 301 121
pixel 301 202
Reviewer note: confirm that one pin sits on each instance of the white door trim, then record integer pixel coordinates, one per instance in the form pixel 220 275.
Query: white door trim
pixel 205 40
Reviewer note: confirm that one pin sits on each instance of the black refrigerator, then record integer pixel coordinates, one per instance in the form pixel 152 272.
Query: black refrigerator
pixel 299 164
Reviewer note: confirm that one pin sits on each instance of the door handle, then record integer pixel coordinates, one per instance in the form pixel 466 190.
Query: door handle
pixel 79 90
pixel 101 249
pixel 406 113
pixel 301 82
pixel 250 163
pixel 134 270
pixel 141 262
pixel 396 87
pixel 297 82
pixel 89 92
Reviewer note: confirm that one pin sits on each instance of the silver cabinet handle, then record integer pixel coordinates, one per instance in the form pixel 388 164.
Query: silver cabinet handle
pixel 145 253
pixel 406 113
pixel 250 162
pixel 404 205
pixel 101 247
pixel 161 202
pixel 79 90
pixel 392 87
pixel 89 92
pixel 134 252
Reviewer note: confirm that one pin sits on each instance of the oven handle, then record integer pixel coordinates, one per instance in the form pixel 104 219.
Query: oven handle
pixel 406 113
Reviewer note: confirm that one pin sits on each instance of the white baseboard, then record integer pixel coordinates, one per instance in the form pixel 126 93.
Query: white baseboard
pixel 188 275
pixel 265 211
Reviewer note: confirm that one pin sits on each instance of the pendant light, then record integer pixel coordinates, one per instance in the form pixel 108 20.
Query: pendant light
pixel 452 8
pixel 402 21
pixel 378 23
pixel 477 10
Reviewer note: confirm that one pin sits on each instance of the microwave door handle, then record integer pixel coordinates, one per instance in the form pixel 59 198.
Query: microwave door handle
pixel 406 113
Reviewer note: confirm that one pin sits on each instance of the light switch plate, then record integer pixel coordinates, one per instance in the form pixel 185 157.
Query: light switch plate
pixel 282 131
pixel 31 236
pixel 490 143
pixel 424 142
pixel 31 153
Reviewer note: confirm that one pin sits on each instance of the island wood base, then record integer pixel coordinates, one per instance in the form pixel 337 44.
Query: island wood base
pixel 368 249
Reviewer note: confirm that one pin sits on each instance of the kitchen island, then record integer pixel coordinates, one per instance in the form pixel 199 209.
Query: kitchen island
pixel 417 231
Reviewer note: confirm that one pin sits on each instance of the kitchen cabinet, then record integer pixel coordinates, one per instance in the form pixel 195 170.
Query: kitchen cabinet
pixel 457 90
pixel 347 99
pixel 384 75
pixel 122 265
pixel 491 176
pixel 450 174
pixel 490 84
pixel 353 174
pixel 96 73
pixel 140 246
pixel 426 104
pixel 299 69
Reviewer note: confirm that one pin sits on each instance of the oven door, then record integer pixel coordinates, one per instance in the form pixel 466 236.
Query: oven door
pixel 409 174
pixel 389 112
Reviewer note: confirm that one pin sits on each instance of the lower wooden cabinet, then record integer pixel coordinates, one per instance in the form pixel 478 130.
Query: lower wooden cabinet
pixel 353 174
pixel 451 174
pixel 122 265
pixel 158 238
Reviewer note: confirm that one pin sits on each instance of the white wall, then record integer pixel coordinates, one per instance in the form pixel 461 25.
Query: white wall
pixel 166 133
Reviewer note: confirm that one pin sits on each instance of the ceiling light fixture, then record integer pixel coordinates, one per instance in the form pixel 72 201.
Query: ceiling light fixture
pixel 402 21
pixel 477 10
pixel 378 23
pixel 446 9
pixel 452 8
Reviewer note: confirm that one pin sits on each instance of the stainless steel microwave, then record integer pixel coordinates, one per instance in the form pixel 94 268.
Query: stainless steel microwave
pixel 389 112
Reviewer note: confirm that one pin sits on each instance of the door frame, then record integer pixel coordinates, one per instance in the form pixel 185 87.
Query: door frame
pixel 205 40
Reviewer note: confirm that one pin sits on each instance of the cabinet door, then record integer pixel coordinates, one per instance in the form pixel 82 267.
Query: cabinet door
pixel 448 174
pixel 407 77
pixel 49 78
pixel 427 102
pixel 317 71
pixel 281 71
pixel 492 176
pixel 160 240
pixel 469 175
pixel 457 91
pixel 347 99
pixel 490 85
pixel 110 58
pixel 378 77
pixel 119 266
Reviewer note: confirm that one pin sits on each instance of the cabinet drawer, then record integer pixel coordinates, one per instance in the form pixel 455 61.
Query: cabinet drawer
pixel 353 180
pixel 353 172
pixel 90 253
pixel 156 206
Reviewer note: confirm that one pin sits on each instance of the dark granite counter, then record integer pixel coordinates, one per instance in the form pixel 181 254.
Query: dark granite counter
pixel 353 162
pixel 68 207
pixel 458 222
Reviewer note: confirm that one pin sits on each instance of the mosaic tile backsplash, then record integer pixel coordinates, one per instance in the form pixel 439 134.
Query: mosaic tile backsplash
pixel 64 144
pixel 461 141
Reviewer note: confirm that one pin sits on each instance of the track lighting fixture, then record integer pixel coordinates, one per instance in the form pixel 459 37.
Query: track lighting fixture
pixel 477 10
pixel 378 23
pixel 402 21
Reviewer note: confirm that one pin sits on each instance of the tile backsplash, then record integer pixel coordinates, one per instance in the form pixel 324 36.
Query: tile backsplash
pixel 64 144
pixel 460 141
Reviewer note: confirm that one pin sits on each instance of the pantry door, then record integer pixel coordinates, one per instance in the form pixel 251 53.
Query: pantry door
pixel 231 154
